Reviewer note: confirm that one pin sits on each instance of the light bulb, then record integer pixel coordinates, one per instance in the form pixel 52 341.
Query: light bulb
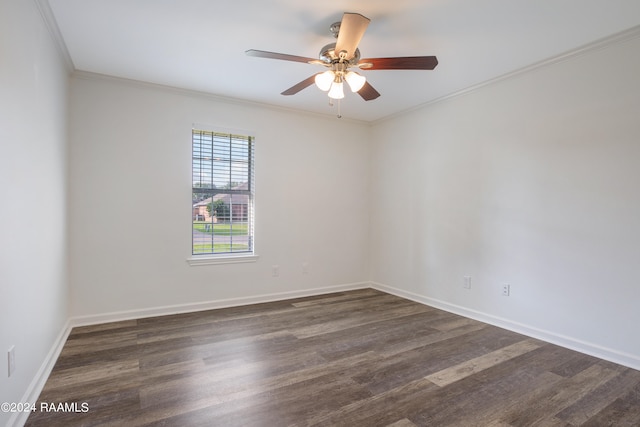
pixel 355 80
pixel 324 80
pixel 336 91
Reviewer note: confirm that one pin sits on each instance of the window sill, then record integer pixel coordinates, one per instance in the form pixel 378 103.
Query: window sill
pixel 223 259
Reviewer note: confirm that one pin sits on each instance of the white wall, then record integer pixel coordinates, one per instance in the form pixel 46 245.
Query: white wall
pixel 531 181
pixel 33 230
pixel 130 186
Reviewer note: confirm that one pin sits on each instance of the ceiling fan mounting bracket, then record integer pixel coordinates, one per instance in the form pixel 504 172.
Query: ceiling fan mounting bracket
pixel 335 29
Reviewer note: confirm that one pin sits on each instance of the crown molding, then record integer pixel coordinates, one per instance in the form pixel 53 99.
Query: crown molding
pixel 52 27
pixel 603 43
pixel 88 75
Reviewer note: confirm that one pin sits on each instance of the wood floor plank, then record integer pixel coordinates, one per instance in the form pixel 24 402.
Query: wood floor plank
pixel 598 399
pixel 423 341
pixel 492 399
pixel 281 406
pixel 356 358
pixel 622 412
pixel 375 410
pixel 350 321
pixel 403 367
pixel 480 363
pixel 332 298
pixel 77 344
pixel 91 373
pixel 402 423
pixel 569 391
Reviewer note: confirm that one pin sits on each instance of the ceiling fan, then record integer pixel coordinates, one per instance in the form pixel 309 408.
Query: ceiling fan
pixel 344 54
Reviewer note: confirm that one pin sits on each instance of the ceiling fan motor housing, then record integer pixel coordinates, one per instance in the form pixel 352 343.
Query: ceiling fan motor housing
pixel 328 55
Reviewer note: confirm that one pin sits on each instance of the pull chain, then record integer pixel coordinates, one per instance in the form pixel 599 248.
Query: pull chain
pixel 339 107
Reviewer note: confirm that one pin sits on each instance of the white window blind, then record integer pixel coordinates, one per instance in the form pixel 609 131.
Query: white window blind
pixel 223 192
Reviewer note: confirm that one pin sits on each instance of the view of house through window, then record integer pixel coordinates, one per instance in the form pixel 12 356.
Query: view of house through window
pixel 222 200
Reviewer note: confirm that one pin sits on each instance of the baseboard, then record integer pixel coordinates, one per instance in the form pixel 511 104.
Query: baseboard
pixel 209 305
pixel 591 349
pixel 37 384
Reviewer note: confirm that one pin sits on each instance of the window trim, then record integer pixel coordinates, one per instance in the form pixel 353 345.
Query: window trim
pixel 226 257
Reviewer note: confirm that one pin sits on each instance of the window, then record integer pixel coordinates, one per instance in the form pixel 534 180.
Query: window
pixel 223 190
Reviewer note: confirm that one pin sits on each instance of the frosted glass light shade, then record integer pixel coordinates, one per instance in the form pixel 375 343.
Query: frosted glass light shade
pixel 336 91
pixel 324 80
pixel 355 80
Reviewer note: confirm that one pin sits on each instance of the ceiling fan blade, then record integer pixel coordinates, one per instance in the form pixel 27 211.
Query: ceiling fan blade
pixel 274 55
pixel 400 63
pixel 302 85
pixel 352 29
pixel 368 93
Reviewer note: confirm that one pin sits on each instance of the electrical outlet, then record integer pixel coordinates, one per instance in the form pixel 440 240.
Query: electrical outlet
pixel 11 360
pixel 275 270
pixel 305 268
pixel 506 290
pixel 467 282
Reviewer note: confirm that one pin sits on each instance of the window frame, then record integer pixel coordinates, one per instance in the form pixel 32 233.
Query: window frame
pixel 231 257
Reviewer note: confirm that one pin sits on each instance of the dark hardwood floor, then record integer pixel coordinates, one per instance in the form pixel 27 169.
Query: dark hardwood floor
pixel 358 358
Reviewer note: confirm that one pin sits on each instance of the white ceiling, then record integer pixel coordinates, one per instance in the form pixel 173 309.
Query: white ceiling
pixel 199 44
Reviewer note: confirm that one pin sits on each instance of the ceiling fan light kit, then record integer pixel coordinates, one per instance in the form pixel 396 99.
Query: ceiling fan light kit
pixel 324 80
pixel 331 81
pixel 355 80
pixel 336 91
pixel 344 54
